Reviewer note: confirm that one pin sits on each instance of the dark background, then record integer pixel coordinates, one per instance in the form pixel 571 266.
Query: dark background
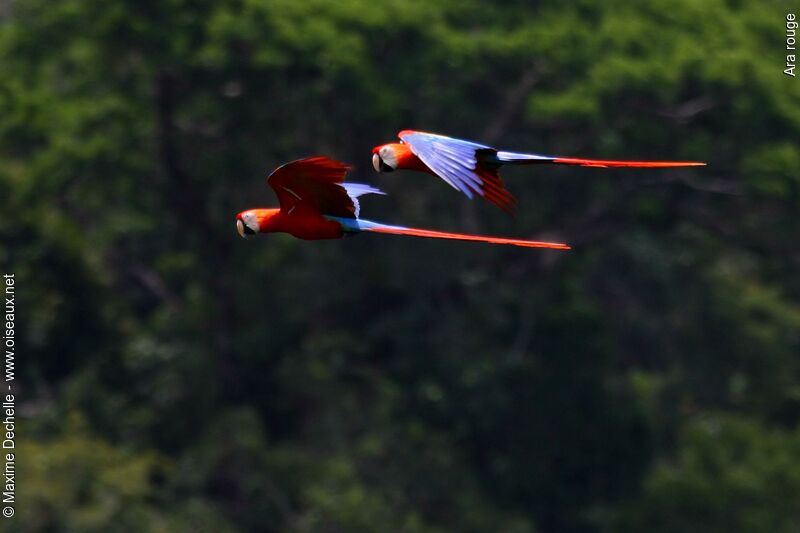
pixel 174 377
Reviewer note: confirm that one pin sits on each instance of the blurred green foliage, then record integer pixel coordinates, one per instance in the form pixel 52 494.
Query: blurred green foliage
pixel 176 378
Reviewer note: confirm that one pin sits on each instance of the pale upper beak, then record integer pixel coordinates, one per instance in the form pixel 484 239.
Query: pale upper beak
pixel 240 229
pixel 380 165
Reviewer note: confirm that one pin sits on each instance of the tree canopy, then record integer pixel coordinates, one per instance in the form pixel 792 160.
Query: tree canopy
pixel 178 378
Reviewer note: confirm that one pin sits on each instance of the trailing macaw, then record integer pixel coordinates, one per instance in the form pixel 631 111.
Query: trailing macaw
pixel 473 168
pixel 316 203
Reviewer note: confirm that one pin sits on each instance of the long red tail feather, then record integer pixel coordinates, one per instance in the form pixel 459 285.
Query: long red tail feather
pixel 414 232
pixel 642 164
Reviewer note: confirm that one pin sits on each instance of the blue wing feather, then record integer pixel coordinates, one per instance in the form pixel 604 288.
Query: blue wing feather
pixel 453 160
pixel 354 190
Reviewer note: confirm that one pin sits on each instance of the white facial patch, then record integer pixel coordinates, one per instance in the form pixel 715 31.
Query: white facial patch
pixel 388 156
pixel 251 221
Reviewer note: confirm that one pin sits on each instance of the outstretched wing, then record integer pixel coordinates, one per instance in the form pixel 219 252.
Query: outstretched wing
pixel 456 162
pixel 316 184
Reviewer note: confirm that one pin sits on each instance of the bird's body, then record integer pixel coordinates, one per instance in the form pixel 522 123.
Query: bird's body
pixel 301 224
pixel 473 168
pixel 316 204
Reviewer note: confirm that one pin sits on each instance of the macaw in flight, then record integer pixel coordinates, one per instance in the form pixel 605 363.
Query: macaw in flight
pixel 316 203
pixel 473 168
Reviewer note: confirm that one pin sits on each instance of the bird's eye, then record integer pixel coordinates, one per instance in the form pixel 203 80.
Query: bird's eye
pixel 376 162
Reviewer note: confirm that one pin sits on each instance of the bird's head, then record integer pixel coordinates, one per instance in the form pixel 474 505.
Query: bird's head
pixel 253 221
pixel 384 158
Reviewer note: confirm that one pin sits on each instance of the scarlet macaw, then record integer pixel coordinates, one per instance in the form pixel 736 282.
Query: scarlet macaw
pixel 316 203
pixel 473 168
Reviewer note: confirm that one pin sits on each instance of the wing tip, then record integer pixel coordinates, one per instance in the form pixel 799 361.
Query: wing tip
pixel 314 160
pixel 493 190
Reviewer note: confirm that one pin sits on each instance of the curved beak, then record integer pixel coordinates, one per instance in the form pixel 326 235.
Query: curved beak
pixel 241 229
pixel 380 165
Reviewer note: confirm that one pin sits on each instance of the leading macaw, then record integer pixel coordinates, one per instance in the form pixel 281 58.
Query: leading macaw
pixel 316 203
pixel 473 168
